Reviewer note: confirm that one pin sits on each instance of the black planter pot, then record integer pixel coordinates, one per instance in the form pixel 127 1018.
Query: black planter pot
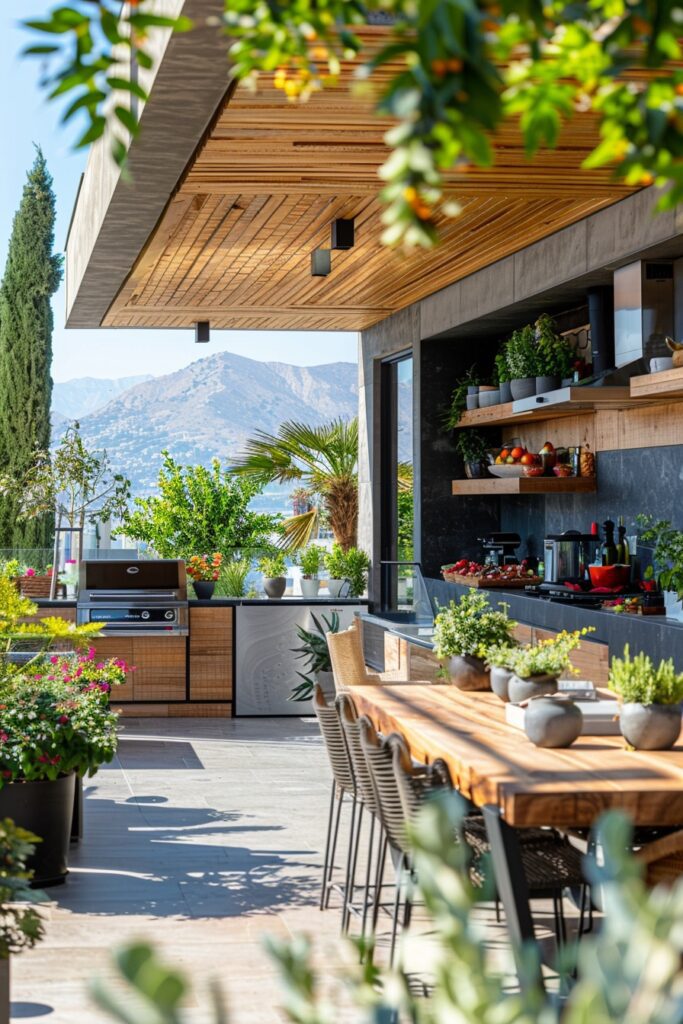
pixel 547 383
pixel 46 809
pixel 476 470
pixel 204 589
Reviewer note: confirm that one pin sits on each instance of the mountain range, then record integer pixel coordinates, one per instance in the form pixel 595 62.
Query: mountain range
pixel 205 410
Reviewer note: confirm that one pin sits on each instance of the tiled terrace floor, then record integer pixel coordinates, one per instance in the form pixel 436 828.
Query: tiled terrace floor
pixel 203 836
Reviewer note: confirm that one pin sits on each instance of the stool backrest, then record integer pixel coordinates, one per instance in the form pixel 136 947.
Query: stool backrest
pixel 351 727
pixel 333 735
pixel 379 757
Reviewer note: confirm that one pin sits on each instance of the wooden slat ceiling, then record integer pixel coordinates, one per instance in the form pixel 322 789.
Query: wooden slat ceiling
pixel 234 244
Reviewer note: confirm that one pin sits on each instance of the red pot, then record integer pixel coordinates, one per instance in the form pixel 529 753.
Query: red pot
pixel 609 575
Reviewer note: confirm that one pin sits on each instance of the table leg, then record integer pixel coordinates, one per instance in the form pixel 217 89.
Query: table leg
pixel 513 893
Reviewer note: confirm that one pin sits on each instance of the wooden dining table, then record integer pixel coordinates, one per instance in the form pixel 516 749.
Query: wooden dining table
pixel 518 784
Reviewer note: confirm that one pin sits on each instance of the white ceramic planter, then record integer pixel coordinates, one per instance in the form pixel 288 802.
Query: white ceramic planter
pixel 334 587
pixel 310 586
pixel 672 605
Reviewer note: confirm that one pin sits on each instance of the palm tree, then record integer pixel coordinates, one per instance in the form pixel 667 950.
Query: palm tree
pixel 325 460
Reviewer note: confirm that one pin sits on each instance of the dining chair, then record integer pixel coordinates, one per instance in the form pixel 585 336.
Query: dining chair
pixel 343 787
pixel 348 661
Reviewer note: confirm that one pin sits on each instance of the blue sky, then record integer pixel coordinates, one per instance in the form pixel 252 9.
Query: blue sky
pixel 26 119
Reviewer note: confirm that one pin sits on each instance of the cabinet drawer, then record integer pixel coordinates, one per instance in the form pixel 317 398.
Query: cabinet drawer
pixel 211 642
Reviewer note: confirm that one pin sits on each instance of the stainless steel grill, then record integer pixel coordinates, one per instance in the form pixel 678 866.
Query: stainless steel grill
pixel 134 598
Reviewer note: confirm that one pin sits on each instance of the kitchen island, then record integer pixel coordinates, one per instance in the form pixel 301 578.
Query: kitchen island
pixel 236 660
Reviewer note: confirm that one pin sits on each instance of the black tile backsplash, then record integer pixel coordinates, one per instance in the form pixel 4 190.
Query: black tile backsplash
pixel 648 480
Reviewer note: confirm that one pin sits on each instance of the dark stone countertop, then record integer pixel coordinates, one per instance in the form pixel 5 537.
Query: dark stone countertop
pixel 230 602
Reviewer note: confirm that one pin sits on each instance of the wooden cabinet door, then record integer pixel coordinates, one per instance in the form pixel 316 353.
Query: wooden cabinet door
pixel 211 638
pixel 160 668
pixel 117 647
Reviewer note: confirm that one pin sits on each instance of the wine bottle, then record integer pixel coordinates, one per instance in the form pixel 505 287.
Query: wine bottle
pixel 622 544
pixel 609 548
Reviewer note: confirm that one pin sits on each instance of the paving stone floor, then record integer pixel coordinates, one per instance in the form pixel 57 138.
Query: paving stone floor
pixel 203 836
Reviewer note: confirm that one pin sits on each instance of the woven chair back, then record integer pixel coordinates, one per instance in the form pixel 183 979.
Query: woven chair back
pixel 351 727
pixel 333 736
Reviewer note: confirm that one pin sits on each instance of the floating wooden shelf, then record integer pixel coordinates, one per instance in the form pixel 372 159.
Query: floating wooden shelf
pixel 527 485
pixel 570 401
pixel 668 384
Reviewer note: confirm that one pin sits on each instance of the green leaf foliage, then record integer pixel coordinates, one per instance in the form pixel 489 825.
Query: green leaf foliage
pixel 314 653
pixel 32 275
pixel 470 626
pixel 637 681
pixel 198 509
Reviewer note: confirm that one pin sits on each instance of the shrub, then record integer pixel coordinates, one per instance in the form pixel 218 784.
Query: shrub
pixel 49 727
pixel 554 354
pixel 273 566
pixel 548 657
pixel 521 355
pixel 233 577
pixel 311 560
pixel 21 926
pixel 352 565
pixel 637 681
pixel 500 655
pixel 470 626
pixel 667 552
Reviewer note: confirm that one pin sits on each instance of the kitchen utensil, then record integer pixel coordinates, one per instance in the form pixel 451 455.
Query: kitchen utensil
pixel 609 575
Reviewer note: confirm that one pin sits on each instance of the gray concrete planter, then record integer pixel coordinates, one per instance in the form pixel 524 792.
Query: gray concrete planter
pixel 274 586
pixel 500 681
pixel 468 672
pixel 489 397
pixel 552 722
pixel 523 387
pixel 535 686
pixel 505 391
pixel 547 383
pixel 472 402
pixel 650 726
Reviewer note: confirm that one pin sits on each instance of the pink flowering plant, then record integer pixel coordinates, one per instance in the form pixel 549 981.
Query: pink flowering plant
pixel 58 720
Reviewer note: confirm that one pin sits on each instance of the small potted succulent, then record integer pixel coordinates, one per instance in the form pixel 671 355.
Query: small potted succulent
pixel 537 667
pixel 522 362
pixel 554 356
pixel 463 633
pixel 347 567
pixel 650 699
pixel 499 658
pixel 273 569
pixel 204 572
pixel 310 561
pixel 316 657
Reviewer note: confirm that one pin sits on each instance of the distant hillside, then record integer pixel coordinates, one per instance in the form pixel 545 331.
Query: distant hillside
pixel 76 398
pixel 210 408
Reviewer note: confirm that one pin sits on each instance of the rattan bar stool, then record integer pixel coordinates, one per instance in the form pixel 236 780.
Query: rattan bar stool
pixel 348 661
pixel 343 787
pixel 351 728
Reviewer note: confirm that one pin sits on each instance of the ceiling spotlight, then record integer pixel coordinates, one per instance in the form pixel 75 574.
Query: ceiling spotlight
pixel 202 332
pixel 343 234
pixel 321 262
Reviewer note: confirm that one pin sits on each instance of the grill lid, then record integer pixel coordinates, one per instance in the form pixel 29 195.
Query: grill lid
pixel 122 575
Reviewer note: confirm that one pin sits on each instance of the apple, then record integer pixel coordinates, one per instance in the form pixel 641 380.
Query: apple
pixel 510 461
pixel 517 453
pixel 528 459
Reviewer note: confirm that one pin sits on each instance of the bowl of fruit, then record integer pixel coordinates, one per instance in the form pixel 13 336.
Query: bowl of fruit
pixel 512 461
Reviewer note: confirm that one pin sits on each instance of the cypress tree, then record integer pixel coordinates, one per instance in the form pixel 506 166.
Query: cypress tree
pixel 32 275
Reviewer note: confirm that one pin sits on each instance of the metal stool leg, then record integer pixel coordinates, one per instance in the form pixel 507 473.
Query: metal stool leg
pixel 333 851
pixel 368 874
pixel 397 907
pixel 328 840
pixel 349 889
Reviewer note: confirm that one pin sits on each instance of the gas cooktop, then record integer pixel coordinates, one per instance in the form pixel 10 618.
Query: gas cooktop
pixel 560 592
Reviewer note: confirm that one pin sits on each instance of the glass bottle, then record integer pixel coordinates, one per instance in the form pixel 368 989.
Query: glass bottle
pixel 609 548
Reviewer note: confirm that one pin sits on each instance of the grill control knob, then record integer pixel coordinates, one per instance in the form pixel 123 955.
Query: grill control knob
pixel 144 615
pixel 168 616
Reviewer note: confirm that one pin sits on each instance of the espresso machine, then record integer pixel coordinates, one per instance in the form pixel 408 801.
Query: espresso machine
pixel 567 555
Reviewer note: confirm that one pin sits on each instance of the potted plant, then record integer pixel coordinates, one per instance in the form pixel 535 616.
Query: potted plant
pixel 316 657
pixel 554 356
pixel 552 720
pixel 273 569
pixel 21 926
pixel 463 632
pixel 499 658
pixel 503 377
pixel 650 698
pixel 311 561
pixel 489 394
pixel 55 724
pixel 667 557
pixel 537 667
pixel 349 567
pixel 522 362
pixel 465 396
pixel 204 572
pixel 472 447
pixel 233 576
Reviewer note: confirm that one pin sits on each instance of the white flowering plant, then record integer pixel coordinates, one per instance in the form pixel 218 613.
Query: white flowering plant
pixel 470 626
pixel 58 720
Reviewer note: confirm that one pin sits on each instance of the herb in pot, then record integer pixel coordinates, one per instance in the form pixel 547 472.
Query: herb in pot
pixel 470 626
pixel 472 447
pixel 458 403
pixel 311 560
pixel 553 353
pixel 521 355
pixel 273 566
pixel 637 681
pixel 352 565
pixel 667 552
